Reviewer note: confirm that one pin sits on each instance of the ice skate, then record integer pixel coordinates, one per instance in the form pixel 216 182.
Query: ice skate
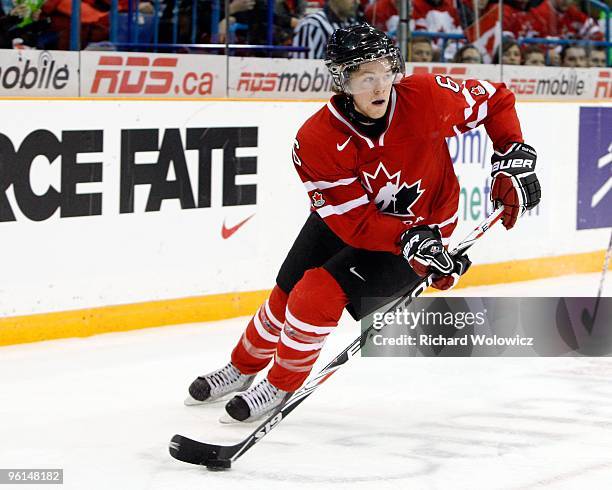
pixel 259 401
pixel 218 385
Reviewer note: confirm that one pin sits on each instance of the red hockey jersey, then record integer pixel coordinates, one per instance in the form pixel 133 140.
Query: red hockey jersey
pixel 544 20
pixel 369 191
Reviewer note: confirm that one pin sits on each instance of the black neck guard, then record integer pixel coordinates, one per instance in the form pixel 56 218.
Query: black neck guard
pixel 372 128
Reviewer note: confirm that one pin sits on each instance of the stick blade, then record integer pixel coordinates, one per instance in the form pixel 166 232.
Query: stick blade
pixel 195 452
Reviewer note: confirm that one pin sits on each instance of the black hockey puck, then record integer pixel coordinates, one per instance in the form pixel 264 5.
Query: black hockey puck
pixel 218 464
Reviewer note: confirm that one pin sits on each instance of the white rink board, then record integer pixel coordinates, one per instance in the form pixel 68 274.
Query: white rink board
pixel 109 257
pixel 114 74
pixel 33 73
pixel 550 229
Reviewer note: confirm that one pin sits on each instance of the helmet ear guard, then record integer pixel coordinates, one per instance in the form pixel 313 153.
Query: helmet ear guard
pixel 350 47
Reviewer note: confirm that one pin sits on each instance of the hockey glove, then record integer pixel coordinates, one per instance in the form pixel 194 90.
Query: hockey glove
pixel 515 184
pixel 422 247
pixel 462 264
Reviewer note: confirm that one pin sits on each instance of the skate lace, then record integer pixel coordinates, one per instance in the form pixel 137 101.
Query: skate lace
pixel 260 396
pixel 224 377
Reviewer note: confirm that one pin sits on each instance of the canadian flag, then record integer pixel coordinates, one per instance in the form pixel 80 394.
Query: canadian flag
pixel 485 33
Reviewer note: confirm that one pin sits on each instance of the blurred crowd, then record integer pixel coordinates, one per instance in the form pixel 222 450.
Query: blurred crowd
pixel 468 31
pixel 478 21
pixel 45 24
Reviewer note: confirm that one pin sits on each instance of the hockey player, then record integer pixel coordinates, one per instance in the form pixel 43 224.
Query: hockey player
pixel 384 199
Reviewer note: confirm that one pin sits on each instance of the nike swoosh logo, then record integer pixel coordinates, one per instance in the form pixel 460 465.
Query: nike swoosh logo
pixel 354 271
pixel 342 147
pixel 228 232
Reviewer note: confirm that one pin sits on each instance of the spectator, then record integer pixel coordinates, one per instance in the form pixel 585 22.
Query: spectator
pixel 252 16
pixel 597 57
pixel 467 15
pixel 548 18
pixel 184 27
pixel 554 56
pixel 383 14
pixel 511 53
pixel 287 17
pixel 436 16
pixel 561 18
pixel 314 30
pixel 26 25
pixel 421 50
pixel 237 10
pixel 427 15
pixel 94 19
pixel 533 56
pixel 518 18
pixel 483 33
pixel 573 56
pixel 247 22
pixel 468 53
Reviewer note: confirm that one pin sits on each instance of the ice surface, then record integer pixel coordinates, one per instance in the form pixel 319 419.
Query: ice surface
pixel 104 408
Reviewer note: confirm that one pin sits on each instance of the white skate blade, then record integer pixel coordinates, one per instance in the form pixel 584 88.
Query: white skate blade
pixel 192 402
pixel 225 419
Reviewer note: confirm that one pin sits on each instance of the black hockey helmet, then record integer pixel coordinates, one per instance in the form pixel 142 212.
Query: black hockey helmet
pixel 349 47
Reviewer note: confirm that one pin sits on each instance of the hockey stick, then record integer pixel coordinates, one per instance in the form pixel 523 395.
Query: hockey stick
pixel 588 320
pixel 217 457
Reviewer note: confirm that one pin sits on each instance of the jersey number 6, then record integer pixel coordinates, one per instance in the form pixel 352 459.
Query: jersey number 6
pixel 296 147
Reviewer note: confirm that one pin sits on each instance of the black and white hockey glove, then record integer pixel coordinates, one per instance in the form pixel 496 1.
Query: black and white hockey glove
pixel 422 247
pixel 515 184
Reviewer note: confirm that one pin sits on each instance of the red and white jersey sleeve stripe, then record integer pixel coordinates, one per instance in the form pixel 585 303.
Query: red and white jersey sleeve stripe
pixel 348 211
pixel 337 195
pixel 460 107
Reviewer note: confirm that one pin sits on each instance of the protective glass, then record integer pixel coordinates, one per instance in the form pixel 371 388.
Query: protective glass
pixel 368 76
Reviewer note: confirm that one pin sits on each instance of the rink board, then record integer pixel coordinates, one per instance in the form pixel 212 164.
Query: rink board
pixel 112 212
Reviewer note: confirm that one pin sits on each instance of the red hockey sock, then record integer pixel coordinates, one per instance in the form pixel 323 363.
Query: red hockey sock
pixel 313 309
pixel 258 342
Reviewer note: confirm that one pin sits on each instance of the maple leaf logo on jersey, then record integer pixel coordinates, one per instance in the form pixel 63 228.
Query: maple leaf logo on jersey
pixel 477 90
pixel 392 197
pixel 317 200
